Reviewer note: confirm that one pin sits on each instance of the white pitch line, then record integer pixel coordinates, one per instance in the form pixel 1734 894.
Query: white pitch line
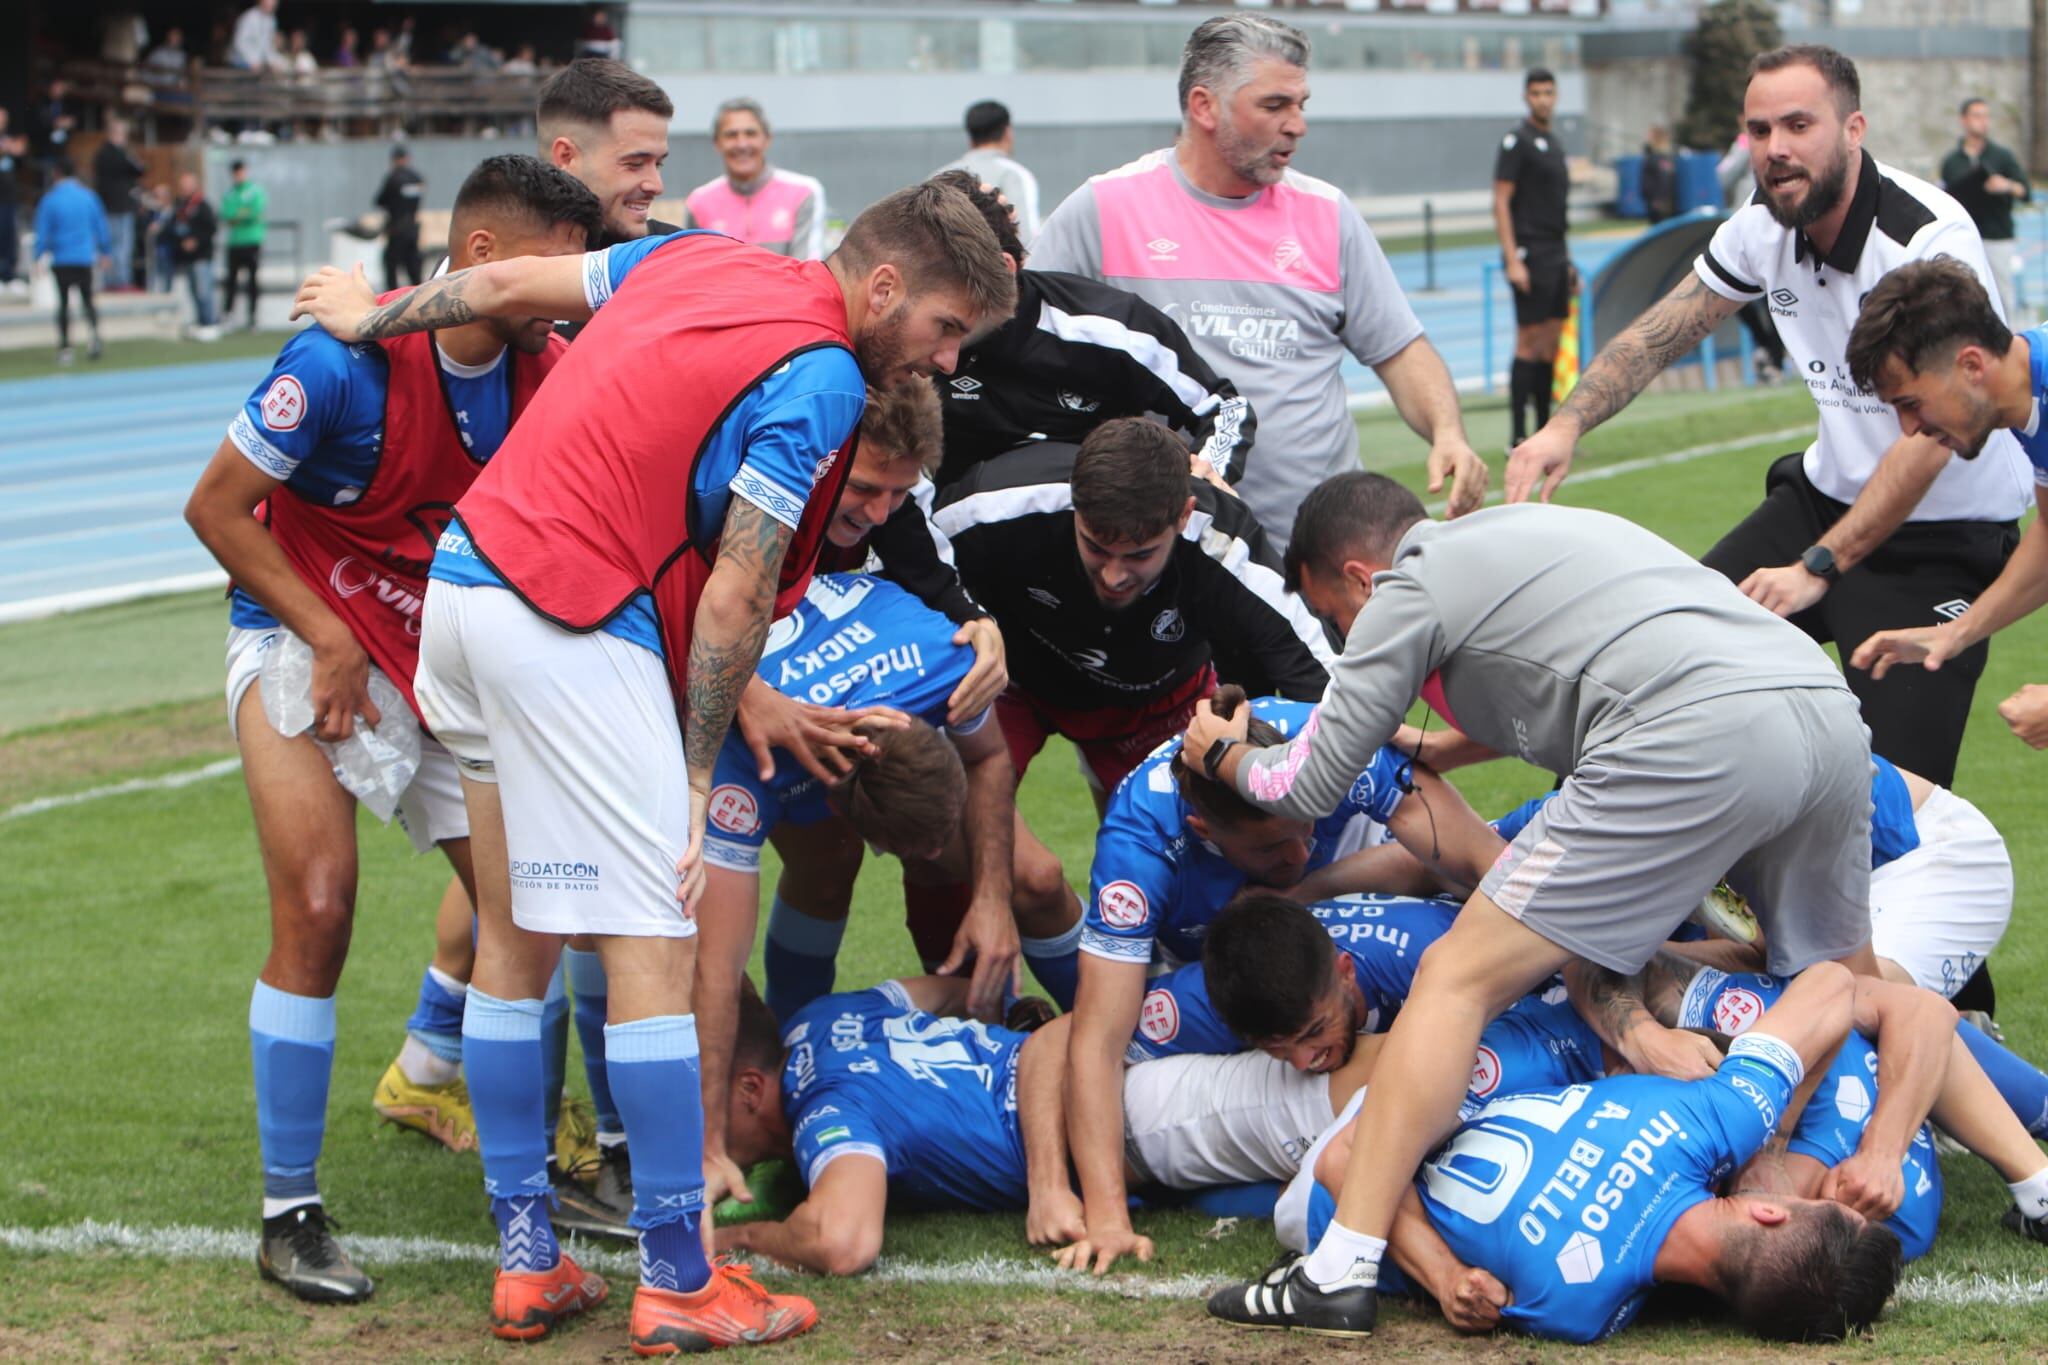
pixel 34 608
pixel 1685 456
pixel 220 767
pixel 187 1243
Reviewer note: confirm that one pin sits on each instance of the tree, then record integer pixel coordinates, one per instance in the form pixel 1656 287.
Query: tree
pixel 1728 34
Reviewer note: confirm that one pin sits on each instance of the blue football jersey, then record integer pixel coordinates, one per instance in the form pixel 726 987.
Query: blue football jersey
pixel 934 1100
pixel 1568 1195
pixel 853 641
pixel 1178 1018
pixel 1384 936
pixel 1155 887
pixel 2033 437
pixel 1831 1126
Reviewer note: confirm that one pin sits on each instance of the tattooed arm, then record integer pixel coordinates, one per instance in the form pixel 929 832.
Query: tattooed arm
pixel 1624 367
pixel 1635 1015
pixel 522 287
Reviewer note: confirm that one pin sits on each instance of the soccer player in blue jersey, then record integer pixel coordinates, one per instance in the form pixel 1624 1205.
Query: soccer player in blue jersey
pixel 883 1098
pixel 1930 341
pixel 1580 1199
pixel 1861 1140
pixel 323 503
pixel 945 806
pixel 1174 848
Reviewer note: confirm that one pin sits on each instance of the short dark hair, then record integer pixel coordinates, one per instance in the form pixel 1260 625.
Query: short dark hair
pixel 513 184
pixel 1266 960
pixel 237 165
pixel 1920 313
pixel 938 239
pixel 998 213
pixel 591 89
pixel 1130 479
pixel 1819 1276
pixel 1218 802
pixel 399 153
pixel 758 1043
pixel 987 120
pixel 1838 71
pixel 61 165
pixel 910 787
pixel 1967 105
pixel 1539 75
pixel 1356 515
pixel 904 422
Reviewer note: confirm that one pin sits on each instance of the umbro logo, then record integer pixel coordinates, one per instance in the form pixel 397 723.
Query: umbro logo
pixel 966 383
pixel 1042 597
pixel 1951 609
pixel 1162 248
pixel 1784 298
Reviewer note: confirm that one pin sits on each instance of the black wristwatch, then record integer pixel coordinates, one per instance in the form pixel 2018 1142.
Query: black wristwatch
pixel 1213 760
pixel 1819 561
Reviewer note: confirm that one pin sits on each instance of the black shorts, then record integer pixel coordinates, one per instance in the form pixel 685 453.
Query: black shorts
pixel 1552 282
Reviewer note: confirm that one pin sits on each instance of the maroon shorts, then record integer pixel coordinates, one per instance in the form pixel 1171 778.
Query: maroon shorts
pixel 1112 741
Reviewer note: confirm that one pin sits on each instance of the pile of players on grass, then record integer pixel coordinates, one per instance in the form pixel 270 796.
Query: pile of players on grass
pixel 603 618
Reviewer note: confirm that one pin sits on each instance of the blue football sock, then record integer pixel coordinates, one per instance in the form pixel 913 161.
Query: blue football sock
pixel 291 1046
pixel 587 984
pixel 1056 962
pixel 554 1049
pixel 653 1065
pixel 799 958
pixel 2022 1083
pixel 501 1054
pixel 437 1018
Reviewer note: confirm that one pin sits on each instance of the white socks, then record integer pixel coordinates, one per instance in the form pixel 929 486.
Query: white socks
pixel 1345 1258
pixel 2031 1194
pixel 422 1067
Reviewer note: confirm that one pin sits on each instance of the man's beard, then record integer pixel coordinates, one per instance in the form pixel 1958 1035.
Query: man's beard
pixel 1983 420
pixel 1247 160
pixel 1822 195
pixel 880 349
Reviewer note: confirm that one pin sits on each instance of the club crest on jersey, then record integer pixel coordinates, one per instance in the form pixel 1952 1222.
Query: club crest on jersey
pixel 1288 255
pixel 1074 402
pixel 1043 598
pixel 1167 626
pixel 1123 905
pixel 733 810
pixel 1737 1010
pixel 284 405
pixel 1159 1016
pixel 1485 1072
pixel 824 468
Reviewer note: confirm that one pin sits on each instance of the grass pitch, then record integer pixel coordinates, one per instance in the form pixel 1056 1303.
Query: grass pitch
pixel 135 924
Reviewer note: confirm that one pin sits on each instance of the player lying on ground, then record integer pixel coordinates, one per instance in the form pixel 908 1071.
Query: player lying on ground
pixel 940 797
pixel 882 1099
pixel 349 457
pixel 1126 588
pixel 1578 1200
pixel 1173 850
pixel 653 530
pixel 1862 1140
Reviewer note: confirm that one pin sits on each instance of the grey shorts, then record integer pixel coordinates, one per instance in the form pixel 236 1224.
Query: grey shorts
pixel 1769 789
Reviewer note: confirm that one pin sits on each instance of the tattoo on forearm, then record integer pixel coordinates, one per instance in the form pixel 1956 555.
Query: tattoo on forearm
pixel 1626 365
pixel 435 304
pixel 752 549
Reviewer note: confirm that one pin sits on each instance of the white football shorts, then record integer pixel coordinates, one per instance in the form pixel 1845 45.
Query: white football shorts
pixel 1940 910
pixel 1195 1121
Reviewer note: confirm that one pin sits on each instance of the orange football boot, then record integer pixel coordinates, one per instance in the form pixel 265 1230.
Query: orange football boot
pixel 732 1310
pixel 526 1305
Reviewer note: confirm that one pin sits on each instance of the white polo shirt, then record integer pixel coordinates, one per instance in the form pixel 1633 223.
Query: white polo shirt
pixel 1893 218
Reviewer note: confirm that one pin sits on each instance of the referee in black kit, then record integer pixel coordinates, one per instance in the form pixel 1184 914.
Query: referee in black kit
pixel 1530 182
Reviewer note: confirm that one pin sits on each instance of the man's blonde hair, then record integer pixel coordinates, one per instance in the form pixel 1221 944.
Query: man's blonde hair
pixel 902 423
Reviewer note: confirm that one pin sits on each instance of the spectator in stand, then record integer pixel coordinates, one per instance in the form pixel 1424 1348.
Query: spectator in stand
pixel 52 127
pixel 1987 179
pixel 345 56
pixel 298 54
pixel 471 55
pixel 522 62
pixel 401 43
pixel 160 241
pixel 12 149
pixel 1660 175
pixel 192 228
pixel 599 38
pixel 754 201
pixel 254 47
pixel 383 56
pixel 168 58
pixel 242 213
pixel 990 141
pixel 71 229
pixel 399 197
pixel 115 174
